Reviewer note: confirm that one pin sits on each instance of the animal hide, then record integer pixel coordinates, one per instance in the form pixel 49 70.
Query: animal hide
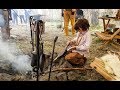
pixel 76 58
pixel 112 64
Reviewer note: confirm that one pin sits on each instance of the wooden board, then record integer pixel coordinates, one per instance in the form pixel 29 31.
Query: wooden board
pixel 108 35
pixel 107 18
pixel 98 65
pixel 103 35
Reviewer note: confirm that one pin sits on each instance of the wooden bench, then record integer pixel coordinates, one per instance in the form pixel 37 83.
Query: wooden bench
pixel 107 38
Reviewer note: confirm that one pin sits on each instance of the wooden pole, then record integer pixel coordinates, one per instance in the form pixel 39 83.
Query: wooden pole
pixel 68 69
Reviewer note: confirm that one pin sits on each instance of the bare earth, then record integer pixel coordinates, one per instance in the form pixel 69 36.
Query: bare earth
pixel 21 35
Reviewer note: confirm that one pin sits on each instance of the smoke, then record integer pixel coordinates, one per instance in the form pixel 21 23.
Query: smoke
pixel 9 53
pixel 21 63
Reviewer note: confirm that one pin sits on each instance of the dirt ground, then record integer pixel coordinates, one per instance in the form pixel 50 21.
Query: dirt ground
pixel 21 35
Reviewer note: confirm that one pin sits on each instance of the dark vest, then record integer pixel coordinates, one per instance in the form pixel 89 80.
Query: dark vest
pixel 79 12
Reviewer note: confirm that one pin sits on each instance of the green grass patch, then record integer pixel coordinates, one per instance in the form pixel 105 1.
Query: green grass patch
pixel 97 40
pixel 96 28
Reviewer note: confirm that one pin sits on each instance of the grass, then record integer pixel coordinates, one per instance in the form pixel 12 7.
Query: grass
pixel 97 40
pixel 96 28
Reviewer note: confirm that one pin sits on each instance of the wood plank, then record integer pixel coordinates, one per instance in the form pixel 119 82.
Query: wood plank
pixel 99 63
pixel 102 36
pixel 108 35
pixel 99 60
pixel 115 46
pixel 103 73
pixel 100 66
pixel 68 69
pixel 107 18
pixel 96 64
pixel 114 52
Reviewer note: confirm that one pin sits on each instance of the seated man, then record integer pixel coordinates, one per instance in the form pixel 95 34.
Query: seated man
pixel 79 46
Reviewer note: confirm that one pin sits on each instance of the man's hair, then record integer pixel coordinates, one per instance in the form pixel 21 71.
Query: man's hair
pixel 81 23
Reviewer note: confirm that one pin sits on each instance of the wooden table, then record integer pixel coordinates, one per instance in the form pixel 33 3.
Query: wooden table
pixel 105 36
pixel 107 39
pixel 105 25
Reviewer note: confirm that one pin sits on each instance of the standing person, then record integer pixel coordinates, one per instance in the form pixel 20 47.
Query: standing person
pixel 21 13
pixel 81 43
pixel 27 15
pixel 79 14
pixel 14 16
pixel 4 23
pixel 69 15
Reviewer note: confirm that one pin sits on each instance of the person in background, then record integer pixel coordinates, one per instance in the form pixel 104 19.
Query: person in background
pixel 14 16
pixel 21 13
pixel 27 15
pixel 79 14
pixel 69 15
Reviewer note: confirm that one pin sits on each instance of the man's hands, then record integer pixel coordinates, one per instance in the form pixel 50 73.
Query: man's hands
pixel 72 44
